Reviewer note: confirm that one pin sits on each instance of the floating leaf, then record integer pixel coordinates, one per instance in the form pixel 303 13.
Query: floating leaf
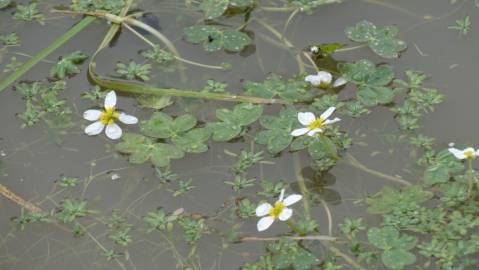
pixel 389 199
pixel 140 149
pixel 4 3
pixel 396 254
pixel 67 66
pixel 163 126
pixel 290 255
pixel 278 134
pixel 233 121
pixel 193 141
pixel 382 41
pixel 215 38
pixel 371 81
pixel 214 8
pixel 441 168
pixel 293 90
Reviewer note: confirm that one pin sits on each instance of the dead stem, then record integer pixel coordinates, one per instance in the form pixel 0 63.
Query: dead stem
pixel 7 193
pixel 308 237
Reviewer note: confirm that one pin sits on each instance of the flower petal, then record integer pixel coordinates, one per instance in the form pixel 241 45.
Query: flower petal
pixel 314 80
pixel 127 119
pixel 92 115
pixel 306 118
pixel 263 209
pixel 264 223
pixel 314 131
pixel 292 199
pixel 94 129
pixel 299 132
pixel 281 195
pixel 285 214
pixel 325 77
pixel 339 82
pixel 326 114
pixel 328 122
pixel 457 153
pixel 110 100
pixel 113 131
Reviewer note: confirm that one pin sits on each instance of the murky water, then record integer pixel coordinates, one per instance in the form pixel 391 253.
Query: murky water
pixel 34 158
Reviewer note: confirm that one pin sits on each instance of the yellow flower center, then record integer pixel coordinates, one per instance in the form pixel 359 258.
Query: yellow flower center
pixel 318 123
pixel 109 116
pixel 276 210
pixel 470 154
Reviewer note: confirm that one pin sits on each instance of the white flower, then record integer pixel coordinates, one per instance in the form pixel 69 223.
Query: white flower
pixel 107 117
pixel 323 80
pixel 279 211
pixel 312 124
pixel 467 153
pixel 314 49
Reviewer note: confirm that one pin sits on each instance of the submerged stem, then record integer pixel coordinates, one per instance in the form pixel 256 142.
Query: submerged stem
pixel 302 186
pixel 355 163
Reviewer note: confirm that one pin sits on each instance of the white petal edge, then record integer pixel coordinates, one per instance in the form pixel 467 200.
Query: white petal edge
pixel 264 223
pixel 285 214
pixel 326 114
pixel 292 199
pixel 339 82
pixel 313 80
pixel 127 119
pixel 328 122
pixel 263 209
pixel 325 77
pixel 92 115
pixel 281 195
pixel 94 129
pixel 113 131
pixel 314 131
pixel 305 118
pixel 299 132
pixel 457 153
pixel 110 100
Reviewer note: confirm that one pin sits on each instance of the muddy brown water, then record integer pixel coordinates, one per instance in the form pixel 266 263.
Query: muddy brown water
pixel 33 158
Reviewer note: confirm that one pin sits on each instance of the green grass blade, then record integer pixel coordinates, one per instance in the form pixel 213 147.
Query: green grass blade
pixel 45 52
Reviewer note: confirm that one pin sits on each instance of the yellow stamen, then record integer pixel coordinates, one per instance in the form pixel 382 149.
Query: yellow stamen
pixel 276 210
pixel 109 116
pixel 470 154
pixel 318 123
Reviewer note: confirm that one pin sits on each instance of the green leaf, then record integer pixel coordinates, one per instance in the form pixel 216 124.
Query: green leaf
pixel 215 38
pixel 163 126
pixel 395 255
pixel 389 199
pixel 322 147
pixel 140 149
pixel 300 143
pixel 441 168
pixel 67 65
pixel 233 121
pixel 294 90
pixel 214 8
pixel 288 254
pixel 278 134
pixel 193 141
pixel 370 80
pixel 397 258
pixel 382 41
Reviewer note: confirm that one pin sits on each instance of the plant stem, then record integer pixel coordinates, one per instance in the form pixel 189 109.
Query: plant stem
pixel 7 193
pixel 302 186
pixel 46 51
pixel 294 227
pixel 355 163
pixel 345 257
pixel 471 178
pixel 351 48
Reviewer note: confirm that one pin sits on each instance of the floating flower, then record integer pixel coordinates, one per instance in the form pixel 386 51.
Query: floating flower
pixel 107 117
pixel 323 80
pixel 314 49
pixel 467 153
pixel 312 124
pixel 279 211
